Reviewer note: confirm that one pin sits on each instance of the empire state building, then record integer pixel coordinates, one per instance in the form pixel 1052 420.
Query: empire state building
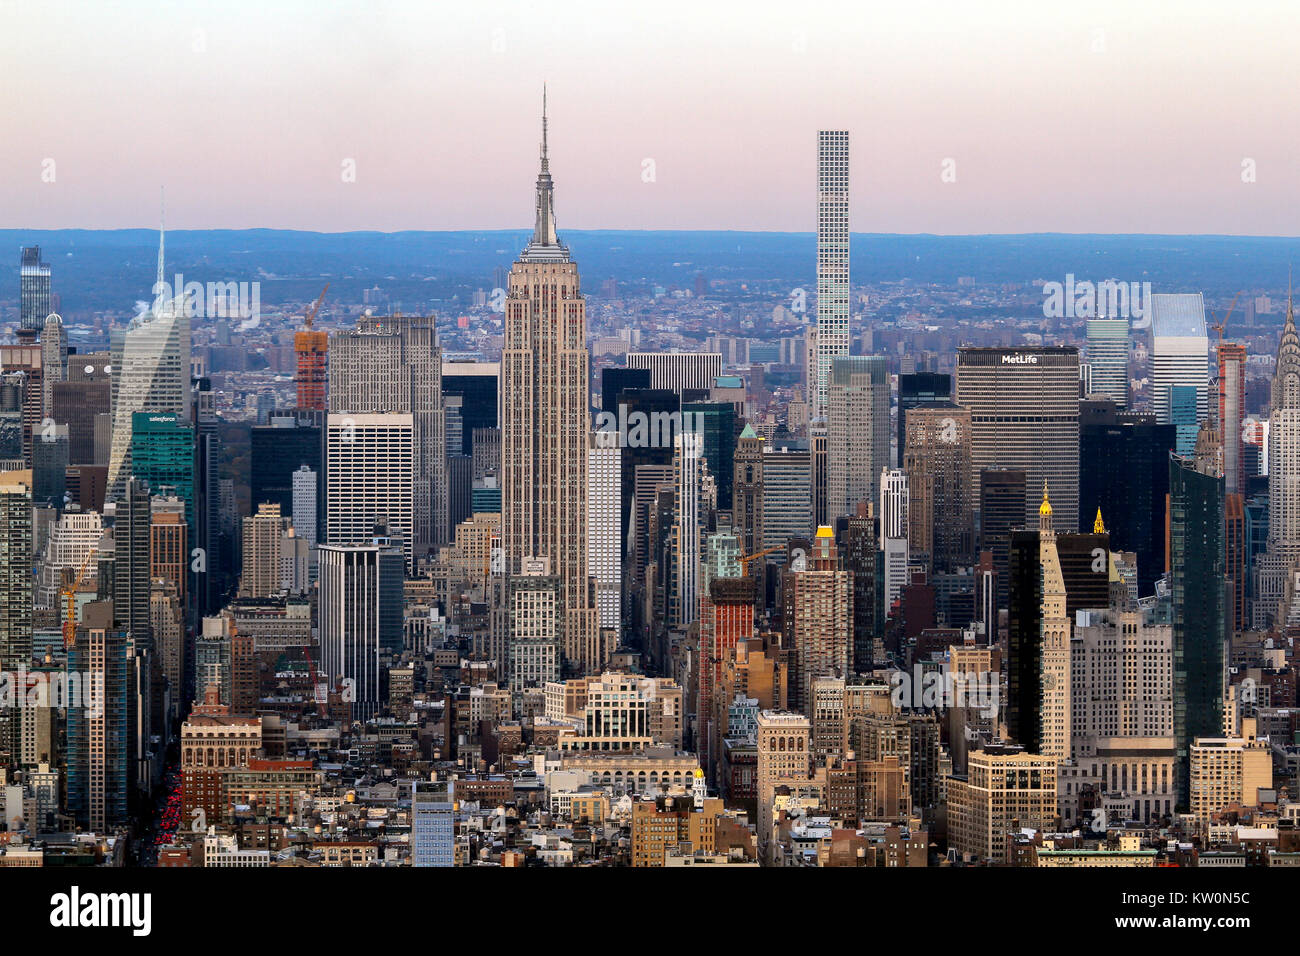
pixel 545 422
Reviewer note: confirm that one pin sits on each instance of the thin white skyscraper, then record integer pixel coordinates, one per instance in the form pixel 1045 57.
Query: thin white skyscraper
pixel 895 519
pixel 604 536
pixel 304 504
pixel 1180 352
pixel 369 464
pixel 688 461
pixel 832 258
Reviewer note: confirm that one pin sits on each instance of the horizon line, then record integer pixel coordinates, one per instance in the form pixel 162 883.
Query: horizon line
pixel 699 231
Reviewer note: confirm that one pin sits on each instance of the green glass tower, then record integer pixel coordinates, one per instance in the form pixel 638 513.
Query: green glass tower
pixel 162 453
pixel 716 421
pixel 1197 590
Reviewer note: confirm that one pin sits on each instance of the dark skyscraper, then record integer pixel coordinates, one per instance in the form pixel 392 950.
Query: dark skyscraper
pixel 50 460
pixel 1002 508
pixel 614 381
pixel 278 450
pixel 131 559
pixel 860 553
pixel 77 401
pixel 477 384
pixel 360 618
pixel 212 556
pixel 131 588
pixel 1124 471
pixel 656 450
pixel 1197 589
pixel 716 421
pixel 918 388
pixel 1085 566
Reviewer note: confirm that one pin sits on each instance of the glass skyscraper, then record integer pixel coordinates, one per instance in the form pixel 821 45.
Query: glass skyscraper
pixel 1124 473
pixel 1108 358
pixel 1180 353
pixel 34 290
pixel 162 453
pixel 1197 589
pixel 151 373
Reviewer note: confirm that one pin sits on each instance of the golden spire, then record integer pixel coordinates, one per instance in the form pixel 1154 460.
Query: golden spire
pixel 1098 526
pixel 1046 507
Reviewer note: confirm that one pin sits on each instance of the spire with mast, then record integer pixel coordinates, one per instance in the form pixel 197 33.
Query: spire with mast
pixel 1290 311
pixel 545 244
pixel 159 286
pixel 546 168
pixel 1286 374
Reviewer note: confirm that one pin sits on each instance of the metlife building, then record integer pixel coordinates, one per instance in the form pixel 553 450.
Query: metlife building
pixel 1024 405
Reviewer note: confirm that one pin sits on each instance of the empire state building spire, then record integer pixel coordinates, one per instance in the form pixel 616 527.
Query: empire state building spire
pixel 545 245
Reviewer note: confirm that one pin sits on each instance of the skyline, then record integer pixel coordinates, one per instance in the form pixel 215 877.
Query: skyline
pixel 433 106
pixel 658 546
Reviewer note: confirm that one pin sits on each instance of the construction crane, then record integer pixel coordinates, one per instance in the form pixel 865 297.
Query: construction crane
pixel 70 602
pixel 311 348
pixel 744 561
pixel 315 307
pixel 1222 324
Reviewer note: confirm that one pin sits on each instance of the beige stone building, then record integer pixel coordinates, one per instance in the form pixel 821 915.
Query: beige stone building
pixel 1227 770
pixel 262 534
pixel 1004 789
pixel 784 758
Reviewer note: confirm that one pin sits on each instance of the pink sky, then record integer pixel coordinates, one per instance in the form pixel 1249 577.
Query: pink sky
pixel 1072 117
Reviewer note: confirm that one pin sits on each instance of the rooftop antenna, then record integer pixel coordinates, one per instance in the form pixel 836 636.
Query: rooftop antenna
pixel 545 165
pixel 162 237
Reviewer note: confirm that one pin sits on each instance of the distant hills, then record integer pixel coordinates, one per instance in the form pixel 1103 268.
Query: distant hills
pixel 112 269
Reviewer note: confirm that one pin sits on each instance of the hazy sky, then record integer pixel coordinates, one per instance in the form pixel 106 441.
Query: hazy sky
pixel 1126 116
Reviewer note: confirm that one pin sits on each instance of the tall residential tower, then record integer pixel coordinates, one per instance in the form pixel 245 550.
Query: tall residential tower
pixel 832 259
